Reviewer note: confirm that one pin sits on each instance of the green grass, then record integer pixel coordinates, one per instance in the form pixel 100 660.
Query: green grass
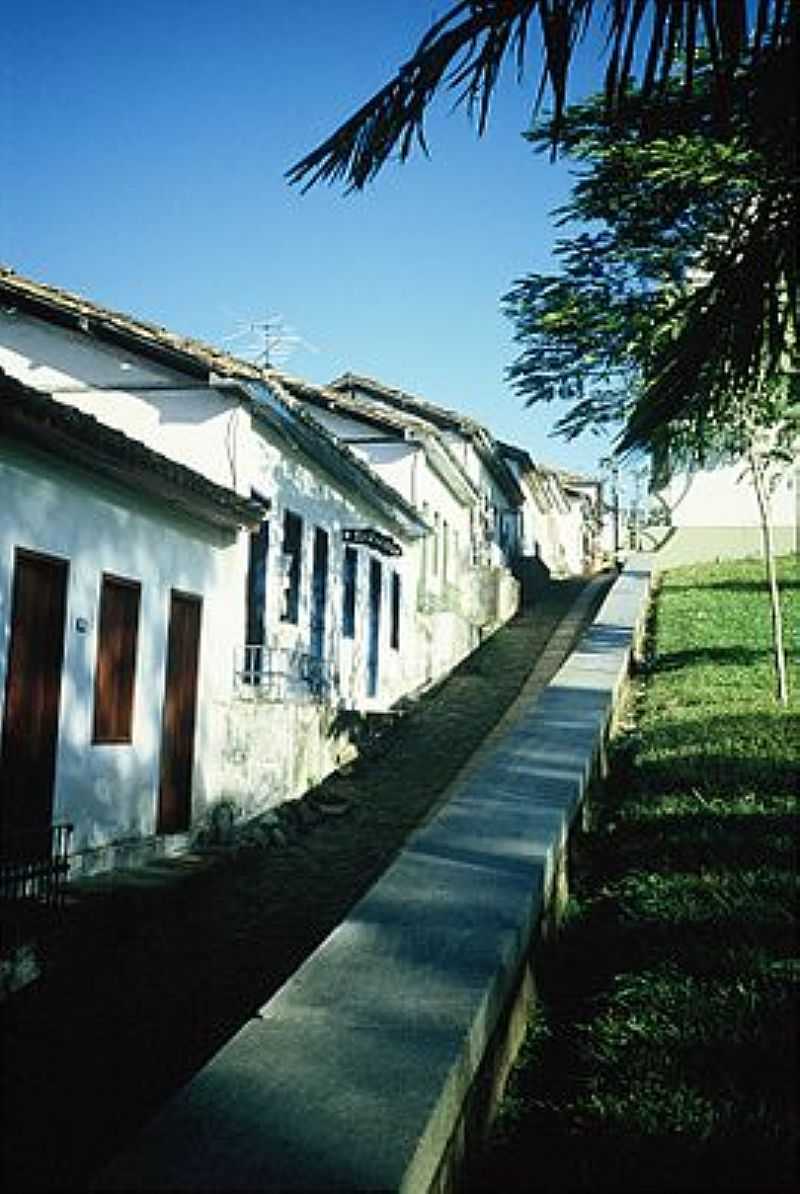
pixel 663 1054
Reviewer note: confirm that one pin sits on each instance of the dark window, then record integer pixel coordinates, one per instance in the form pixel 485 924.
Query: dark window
pixel 255 629
pixel 394 637
pixel 292 546
pixel 374 634
pixel 116 660
pixel 319 593
pixel 350 580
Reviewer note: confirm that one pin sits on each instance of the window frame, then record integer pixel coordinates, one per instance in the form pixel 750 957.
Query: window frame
pixel 256 585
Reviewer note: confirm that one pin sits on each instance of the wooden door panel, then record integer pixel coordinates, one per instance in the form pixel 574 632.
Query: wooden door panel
pixel 33 693
pixel 180 704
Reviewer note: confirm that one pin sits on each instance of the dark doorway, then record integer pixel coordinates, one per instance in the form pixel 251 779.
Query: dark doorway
pixel 374 638
pixel 319 593
pixel 33 692
pixel 255 631
pixel 256 613
pixel 180 703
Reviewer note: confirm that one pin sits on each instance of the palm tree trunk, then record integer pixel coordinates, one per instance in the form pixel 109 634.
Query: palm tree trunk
pixel 762 497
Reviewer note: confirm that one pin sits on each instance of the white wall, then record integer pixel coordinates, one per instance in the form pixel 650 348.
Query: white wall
pixel 725 497
pixel 110 792
pixel 293 484
pixel 189 423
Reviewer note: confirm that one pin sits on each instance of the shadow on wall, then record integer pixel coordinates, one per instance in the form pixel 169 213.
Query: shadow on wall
pixel 656 538
pixel 87 370
pixel 361 731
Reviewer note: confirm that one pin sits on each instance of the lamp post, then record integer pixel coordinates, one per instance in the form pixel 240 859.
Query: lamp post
pixel 609 463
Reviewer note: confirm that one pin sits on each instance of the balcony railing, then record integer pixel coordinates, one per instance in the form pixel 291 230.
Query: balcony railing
pixel 281 674
pixel 35 865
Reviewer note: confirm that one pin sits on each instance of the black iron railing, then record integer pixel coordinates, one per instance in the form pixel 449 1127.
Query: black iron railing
pixel 279 673
pixel 35 865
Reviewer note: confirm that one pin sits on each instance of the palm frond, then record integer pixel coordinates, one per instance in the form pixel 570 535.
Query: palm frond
pixel 466 48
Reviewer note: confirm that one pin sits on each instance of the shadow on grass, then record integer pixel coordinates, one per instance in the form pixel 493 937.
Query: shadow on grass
pixel 703 757
pixel 691 842
pixel 704 656
pixel 733 585
pixel 663 1056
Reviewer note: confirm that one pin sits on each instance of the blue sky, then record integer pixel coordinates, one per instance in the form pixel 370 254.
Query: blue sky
pixel 143 147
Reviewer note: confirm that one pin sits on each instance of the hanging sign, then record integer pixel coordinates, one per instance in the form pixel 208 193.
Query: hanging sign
pixel 369 537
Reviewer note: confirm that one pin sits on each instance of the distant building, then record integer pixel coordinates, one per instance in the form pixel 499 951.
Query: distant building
pixel 712 514
pixel 562 518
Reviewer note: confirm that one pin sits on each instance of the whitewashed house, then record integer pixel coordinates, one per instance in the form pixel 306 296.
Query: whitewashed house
pixel 496 525
pixel 557 520
pixel 465 588
pixel 315 607
pixel 118 571
pixel 596 532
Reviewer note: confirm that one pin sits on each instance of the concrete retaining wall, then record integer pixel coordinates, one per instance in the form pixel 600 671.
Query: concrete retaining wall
pixel 371 1067
pixel 674 546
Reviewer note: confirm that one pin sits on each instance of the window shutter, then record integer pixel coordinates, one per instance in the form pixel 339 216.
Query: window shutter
pixel 116 660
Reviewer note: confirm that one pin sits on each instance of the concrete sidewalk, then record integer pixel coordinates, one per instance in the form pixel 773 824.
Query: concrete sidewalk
pixel 361 1072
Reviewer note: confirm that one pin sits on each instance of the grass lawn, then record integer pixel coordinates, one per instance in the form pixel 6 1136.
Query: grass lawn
pixel 663 1054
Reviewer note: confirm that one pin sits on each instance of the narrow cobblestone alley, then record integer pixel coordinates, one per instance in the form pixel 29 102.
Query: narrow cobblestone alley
pixel 158 967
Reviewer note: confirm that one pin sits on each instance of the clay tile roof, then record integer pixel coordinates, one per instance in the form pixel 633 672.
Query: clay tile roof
pixel 188 354
pixel 62 430
pixel 440 417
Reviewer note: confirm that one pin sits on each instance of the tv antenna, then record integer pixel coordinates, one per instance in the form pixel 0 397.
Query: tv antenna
pixel 269 341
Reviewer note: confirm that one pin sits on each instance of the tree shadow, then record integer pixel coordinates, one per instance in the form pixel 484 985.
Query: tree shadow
pixel 738 656
pixel 736 586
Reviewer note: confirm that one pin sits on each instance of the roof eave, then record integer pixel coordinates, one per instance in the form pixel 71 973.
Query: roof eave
pixel 309 437
pixel 65 432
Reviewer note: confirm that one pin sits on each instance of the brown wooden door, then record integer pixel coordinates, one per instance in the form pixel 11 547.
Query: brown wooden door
pixel 33 693
pixel 180 703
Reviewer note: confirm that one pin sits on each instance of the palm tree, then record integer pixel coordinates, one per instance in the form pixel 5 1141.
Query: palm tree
pixel 747 312
pixel 464 50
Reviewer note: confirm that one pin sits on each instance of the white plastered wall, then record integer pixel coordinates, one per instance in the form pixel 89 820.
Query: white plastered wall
pixel 110 792
pixel 182 419
pixel 725 497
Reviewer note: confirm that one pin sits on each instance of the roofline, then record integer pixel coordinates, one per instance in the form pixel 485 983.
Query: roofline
pixel 36 418
pixel 409 428
pixel 433 413
pixel 340 461
pixel 218 368
pixel 482 439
